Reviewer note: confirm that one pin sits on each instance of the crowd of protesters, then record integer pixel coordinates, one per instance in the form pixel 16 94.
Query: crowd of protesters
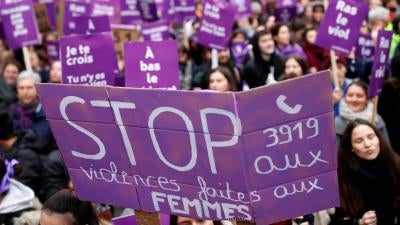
pixel 32 169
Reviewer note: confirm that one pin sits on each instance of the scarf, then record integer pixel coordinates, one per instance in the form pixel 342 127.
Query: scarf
pixel 348 114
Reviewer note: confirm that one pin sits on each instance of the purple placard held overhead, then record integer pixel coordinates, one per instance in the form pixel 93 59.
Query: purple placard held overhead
pixel 109 8
pixel 130 12
pixel 155 31
pixel 53 50
pixel 147 65
pixel 381 60
pixel 19 23
pixel 89 59
pixel 51 11
pixel 216 24
pixel 244 8
pixel 72 10
pixel 212 155
pixel 184 10
pixel 365 47
pixel 90 25
pixel 285 10
pixel 148 10
pixel 341 25
pixel 165 9
pixel 239 52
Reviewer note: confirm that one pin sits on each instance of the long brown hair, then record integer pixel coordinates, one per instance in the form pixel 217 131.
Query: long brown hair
pixel 348 163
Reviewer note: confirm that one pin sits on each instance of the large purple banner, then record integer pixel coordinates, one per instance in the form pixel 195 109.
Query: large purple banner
pixel 216 24
pixel 381 60
pixel 147 65
pixel 200 154
pixel 89 59
pixel 19 23
pixel 341 25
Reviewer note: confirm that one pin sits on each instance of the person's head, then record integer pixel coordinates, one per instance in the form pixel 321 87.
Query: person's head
pixel 180 220
pixel 318 11
pixel 341 72
pixel 263 44
pixel 221 79
pixel 64 208
pixel 55 72
pixel 224 56
pixel 10 72
pixel 310 35
pixel 294 66
pixel 356 96
pixel 362 143
pixel 26 90
pixel 239 36
pixel 281 34
pixel 378 18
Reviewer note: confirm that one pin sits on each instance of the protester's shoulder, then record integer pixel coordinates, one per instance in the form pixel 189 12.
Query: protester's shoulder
pixel 340 124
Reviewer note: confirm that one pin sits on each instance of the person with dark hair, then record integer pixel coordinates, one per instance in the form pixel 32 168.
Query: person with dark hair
pixel 356 105
pixel 8 81
pixel 65 208
pixel 283 42
pixel 389 104
pixel 369 178
pixel 266 66
pixel 318 58
pixel 293 67
pixel 180 220
pixel 221 79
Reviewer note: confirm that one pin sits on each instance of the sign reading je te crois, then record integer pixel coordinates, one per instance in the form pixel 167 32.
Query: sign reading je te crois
pixel 200 154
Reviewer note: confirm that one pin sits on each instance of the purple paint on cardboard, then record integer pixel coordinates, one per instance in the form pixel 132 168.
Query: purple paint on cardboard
pixel 19 23
pixel 148 10
pixel 53 50
pixel 216 24
pixel 239 52
pixel 74 9
pixel 89 59
pixel 129 12
pixel 381 60
pixel 147 65
pixel 365 47
pixel 341 25
pixel 155 31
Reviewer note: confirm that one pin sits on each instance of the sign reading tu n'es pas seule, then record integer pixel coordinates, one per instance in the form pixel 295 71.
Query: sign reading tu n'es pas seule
pixel 200 154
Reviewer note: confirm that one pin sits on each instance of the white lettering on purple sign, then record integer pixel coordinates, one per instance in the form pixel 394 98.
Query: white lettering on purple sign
pixel 150 67
pixel 17 19
pixel 283 191
pixel 342 20
pixel 107 175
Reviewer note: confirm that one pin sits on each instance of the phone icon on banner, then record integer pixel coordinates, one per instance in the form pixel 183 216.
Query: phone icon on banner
pixel 280 102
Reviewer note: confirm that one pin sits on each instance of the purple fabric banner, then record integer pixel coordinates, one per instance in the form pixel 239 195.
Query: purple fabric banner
pixel 147 65
pixel 216 24
pixel 365 47
pixel 184 10
pixel 53 50
pixel 89 25
pixel 130 12
pixel 239 52
pixel 341 25
pixel 89 59
pixel 148 10
pixel 212 155
pixel 19 23
pixel 72 10
pixel 244 8
pixel 109 8
pixel 381 60
pixel 155 31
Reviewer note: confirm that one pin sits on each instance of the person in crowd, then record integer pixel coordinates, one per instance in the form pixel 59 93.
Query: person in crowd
pixel 180 220
pixel 389 104
pixel 284 46
pixel 369 178
pixel 317 58
pixel 294 66
pixel 221 79
pixel 40 63
pixel 55 72
pixel 356 105
pixel 28 112
pixel 343 82
pixel 318 12
pixel 266 65
pixel 65 208
pixel 378 18
pixel 15 197
pixel 225 59
pixel 10 72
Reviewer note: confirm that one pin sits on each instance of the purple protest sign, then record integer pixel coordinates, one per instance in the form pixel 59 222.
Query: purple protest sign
pixel 381 60
pixel 341 25
pixel 130 12
pixel 229 161
pixel 184 10
pixel 89 59
pixel 155 31
pixel 89 25
pixel 109 8
pixel 53 50
pixel 216 24
pixel 51 11
pixel 72 10
pixel 148 10
pixel 244 8
pixel 239 52
pixel 365 47
pixel 19 23
pixel 147 65
pixel 285 10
